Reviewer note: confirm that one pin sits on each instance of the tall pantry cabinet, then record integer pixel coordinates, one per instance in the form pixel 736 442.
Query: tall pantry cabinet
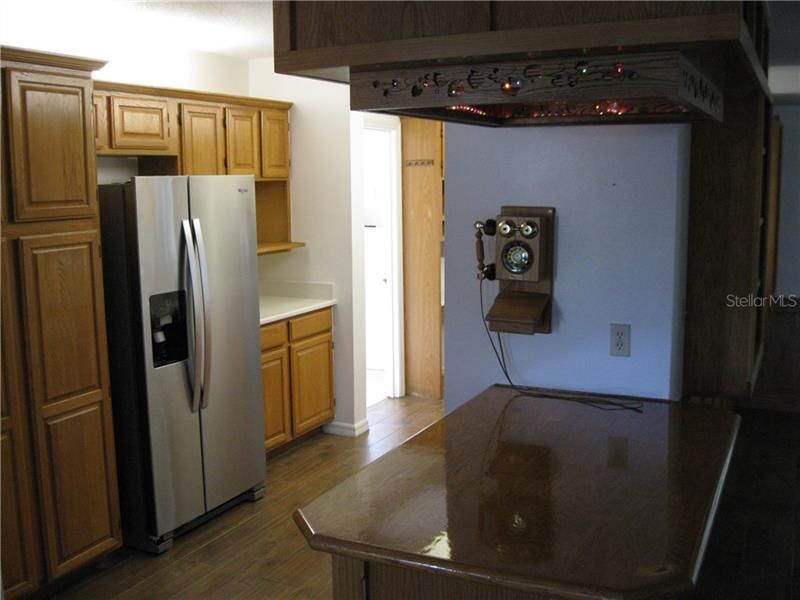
pixel 59 490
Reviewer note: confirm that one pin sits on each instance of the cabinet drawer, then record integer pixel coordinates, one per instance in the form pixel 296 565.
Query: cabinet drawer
pixel 316 322
pixel 273 335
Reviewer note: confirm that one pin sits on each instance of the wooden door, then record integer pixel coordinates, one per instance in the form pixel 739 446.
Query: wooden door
pixel 312 382
pixel 51 146
pixel 140 123
pixel 72 422
pixel 20 541
pixel 102 132
pixel 243 156
pixel 275 144
pixel 277 406
pixel 423 219
pixel 203 139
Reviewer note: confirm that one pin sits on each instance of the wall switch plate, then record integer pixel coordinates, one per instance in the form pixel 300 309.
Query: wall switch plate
pixel 620 339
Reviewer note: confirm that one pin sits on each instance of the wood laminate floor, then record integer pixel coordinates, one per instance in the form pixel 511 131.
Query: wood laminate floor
pixel 255 551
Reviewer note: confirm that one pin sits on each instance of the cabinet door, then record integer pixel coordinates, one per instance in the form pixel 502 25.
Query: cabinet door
pixel 73 435
pixel 102 133
pixel 140 123
pixel 275 144
pixel 275 382
pixel 203 149
pixel 51 146
pixel 243 141
pixel 312 383
pixel 20 543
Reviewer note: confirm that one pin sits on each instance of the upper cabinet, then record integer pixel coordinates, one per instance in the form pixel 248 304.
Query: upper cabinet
pixel 141 123
pixel 218 134
pixel 202 139
pixel 51 149
pixel 135 124
pixel 102 131
pixel 243 141
pixel 274 144
pixel 211 134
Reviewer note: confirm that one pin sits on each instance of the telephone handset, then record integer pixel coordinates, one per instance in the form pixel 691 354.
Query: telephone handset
pixel 523 265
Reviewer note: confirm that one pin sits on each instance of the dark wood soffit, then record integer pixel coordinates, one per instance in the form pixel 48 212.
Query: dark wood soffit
pixel 48 59
pixel 442 49
pixel 111 86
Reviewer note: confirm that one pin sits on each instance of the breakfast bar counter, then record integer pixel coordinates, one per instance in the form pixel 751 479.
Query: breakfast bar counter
pixel 518 497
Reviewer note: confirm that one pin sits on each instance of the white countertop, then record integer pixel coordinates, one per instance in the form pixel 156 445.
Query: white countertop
pixel 277 308
pixel 283 300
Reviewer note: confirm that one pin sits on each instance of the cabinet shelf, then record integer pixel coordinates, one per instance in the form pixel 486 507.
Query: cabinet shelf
pixel 275 247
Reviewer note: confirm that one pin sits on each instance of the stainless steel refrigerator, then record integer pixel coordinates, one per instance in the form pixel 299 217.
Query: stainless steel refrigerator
pixel 181 285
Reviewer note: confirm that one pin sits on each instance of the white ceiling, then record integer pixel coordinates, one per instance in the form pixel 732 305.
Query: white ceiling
pixel 101 27
pixel 241 29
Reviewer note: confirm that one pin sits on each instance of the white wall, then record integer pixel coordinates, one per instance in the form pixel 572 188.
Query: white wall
pixel 789 226
pixel 175 69
pixel 322 217
pixel 621 197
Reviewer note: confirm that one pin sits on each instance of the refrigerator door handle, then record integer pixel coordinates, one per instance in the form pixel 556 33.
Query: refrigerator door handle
pixel 197 306
pixel 198 234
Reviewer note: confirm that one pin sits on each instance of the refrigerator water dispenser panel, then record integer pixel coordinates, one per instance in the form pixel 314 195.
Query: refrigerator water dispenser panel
pixel 168 328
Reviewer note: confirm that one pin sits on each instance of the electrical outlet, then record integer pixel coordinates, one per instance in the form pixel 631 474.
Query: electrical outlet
pixel 620 340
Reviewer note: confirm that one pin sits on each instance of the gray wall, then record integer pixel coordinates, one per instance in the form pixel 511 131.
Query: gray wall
pixel 621 195
pixel 789 231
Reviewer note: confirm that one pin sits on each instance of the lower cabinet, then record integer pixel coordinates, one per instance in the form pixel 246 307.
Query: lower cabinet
pixel 277 402
pixel 297 376
pixel 312 383
pixel 60 507
pixel 19 544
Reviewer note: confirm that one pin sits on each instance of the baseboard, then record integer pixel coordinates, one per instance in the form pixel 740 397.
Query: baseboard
pixel 347 429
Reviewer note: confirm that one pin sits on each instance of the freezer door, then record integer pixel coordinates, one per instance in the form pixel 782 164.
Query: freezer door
pixel 223 214
pixel 160 206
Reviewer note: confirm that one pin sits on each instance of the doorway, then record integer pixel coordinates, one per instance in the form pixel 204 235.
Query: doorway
pixel 383 258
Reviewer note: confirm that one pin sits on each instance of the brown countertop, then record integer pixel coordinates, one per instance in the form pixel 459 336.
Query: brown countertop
pixel 542 495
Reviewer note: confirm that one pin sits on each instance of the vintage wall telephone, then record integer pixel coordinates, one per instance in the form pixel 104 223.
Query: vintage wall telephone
pixel 524 267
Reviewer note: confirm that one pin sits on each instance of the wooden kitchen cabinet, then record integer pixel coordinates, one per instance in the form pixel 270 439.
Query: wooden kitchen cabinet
pixel 274 144
pixel 297 376
pixel 59 485
pixel 219 134
pixel 51 148
pixel 243 141
pixel 277 404
pixel 71 408
pixel 202 139
pixel 312 383
pixel 102 129
pixel 20 539
pixel 140 123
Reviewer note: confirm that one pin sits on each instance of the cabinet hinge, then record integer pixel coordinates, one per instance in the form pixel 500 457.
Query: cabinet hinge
pixel 225 163
pixel 179 119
